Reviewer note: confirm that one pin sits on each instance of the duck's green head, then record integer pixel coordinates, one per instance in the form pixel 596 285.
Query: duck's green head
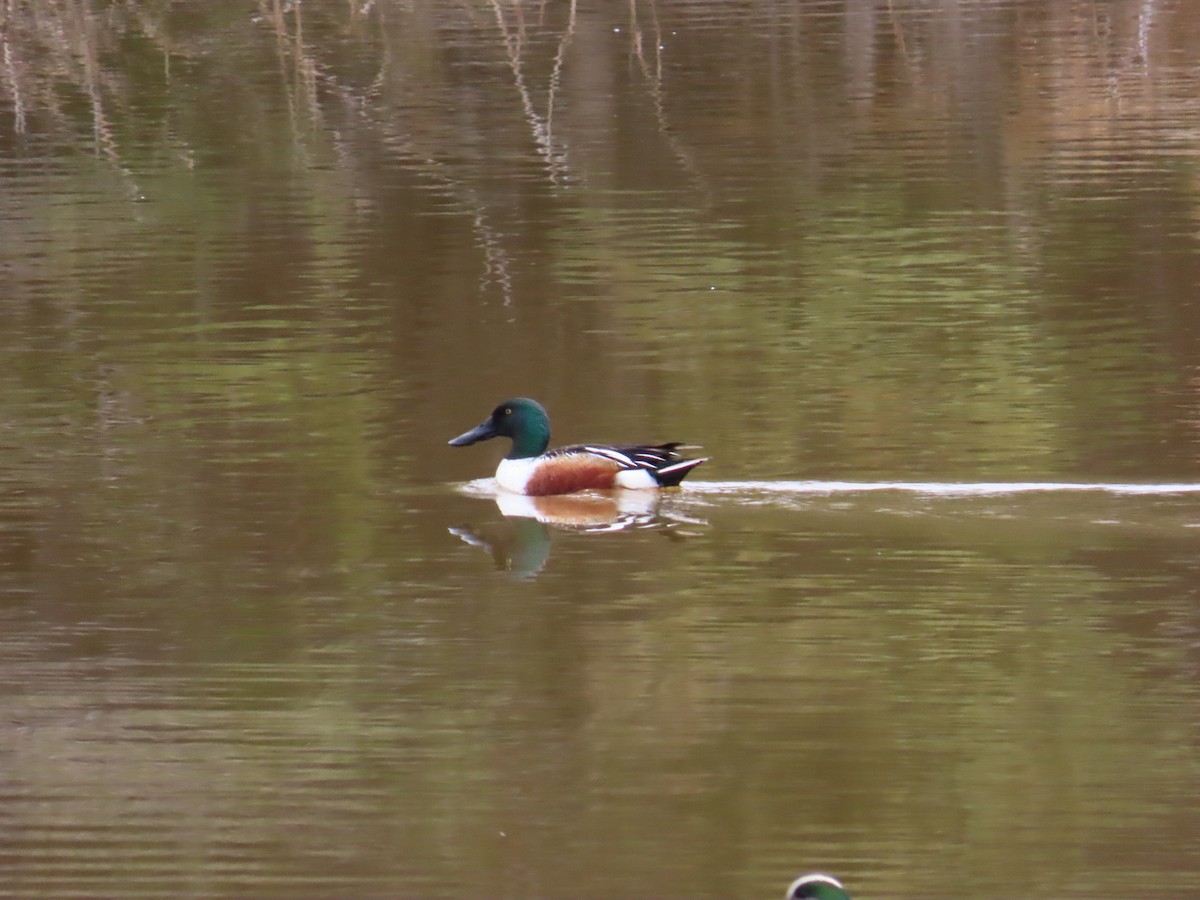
pixel 816 887
pixel 522 419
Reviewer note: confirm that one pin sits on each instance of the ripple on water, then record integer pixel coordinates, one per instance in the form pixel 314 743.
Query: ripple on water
pixel 935 488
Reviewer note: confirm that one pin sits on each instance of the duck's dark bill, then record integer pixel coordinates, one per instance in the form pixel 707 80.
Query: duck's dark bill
pixel 478 433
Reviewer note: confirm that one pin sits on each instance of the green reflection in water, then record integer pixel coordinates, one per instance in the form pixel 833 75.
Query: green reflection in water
pixel 253 259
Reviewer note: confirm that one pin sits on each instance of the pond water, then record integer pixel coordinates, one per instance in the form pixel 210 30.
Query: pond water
pixel 921 276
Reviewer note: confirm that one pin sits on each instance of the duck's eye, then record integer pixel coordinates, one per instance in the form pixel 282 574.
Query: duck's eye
pixel 508 410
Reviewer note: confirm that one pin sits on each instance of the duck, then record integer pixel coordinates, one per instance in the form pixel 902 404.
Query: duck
pixel 816 886
pixel 532 470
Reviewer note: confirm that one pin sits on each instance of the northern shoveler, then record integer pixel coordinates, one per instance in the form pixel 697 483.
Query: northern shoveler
pixel 816 887
pixel 529 469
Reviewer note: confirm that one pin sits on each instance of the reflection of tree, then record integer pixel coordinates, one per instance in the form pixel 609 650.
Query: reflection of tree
pixel 541 127
pixel 618 152
pixel 1137 45
pixel 46 47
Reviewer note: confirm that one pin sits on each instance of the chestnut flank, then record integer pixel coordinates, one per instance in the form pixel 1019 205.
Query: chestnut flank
pixel 569 473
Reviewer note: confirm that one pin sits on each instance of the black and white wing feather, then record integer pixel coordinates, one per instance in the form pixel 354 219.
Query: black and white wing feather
pixel 663 462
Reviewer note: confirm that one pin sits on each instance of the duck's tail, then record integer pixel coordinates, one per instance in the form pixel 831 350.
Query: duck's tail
pixel 671 475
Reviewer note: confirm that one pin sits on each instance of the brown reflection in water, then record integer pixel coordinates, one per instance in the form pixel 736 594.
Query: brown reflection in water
pixel 242 654
pixel 852 217
pixel 962 680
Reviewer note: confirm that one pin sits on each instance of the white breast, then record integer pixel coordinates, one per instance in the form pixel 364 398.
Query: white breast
pixel 514 474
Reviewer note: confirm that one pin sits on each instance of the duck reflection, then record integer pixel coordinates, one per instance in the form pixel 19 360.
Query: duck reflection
pixel 523 548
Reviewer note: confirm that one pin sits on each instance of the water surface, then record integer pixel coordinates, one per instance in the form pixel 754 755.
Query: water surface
pixel 920 277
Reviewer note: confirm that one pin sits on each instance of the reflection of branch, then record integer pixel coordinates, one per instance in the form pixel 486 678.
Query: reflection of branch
pixel 302 85
pixel 556 73
pixel 654 80
pixel 542 130
pixel 898 33
pixel 362 104
pixel 101 127
pixel 496 266
pixel 63 41
pixel 18 99
pixel 1145 24
pixel 310 82
pixel 102 130
pixel 639 48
